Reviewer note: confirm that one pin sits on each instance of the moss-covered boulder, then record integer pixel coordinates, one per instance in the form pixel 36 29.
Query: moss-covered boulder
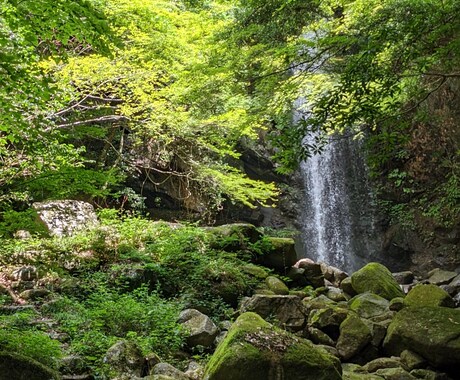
pixel 18 367
pixel 254 349
pixel 368 305
pixel 428 295
pixel 431 332
pixel 354 336
pixel 276 285
pixel 328 320
pixel 235 236
pixel 281 254
pixel 376 278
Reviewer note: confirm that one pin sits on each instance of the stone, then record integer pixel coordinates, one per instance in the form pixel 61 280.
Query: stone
pixel 201 329
pixel 396 304
pixel 428 374
pixel 428 295
pixel 296 275
pixel 17 367
pixel 440 277
pixel 66 217
pixel 22 235
pixel 282 255
pixel 354 336
pixel 369 305
pixel 347 287
pixel 376 278
pixel 431 332
pixel 194 371
pixel 276 285
pixel 256 350
pixel 394 374
pixel 404 278
pixel 333 274
pixel 320 302
pixel 125 357
pixel 319 337
pixel 34 294
pixel 312 272
pixel 166 369
pixel 353 371
pixel 410 360
pixel 379 363
pixel 336 294
pixel 288 311
pixel 255 271
pixel 328 320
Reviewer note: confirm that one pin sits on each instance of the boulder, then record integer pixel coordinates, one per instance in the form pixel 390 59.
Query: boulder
pixel 431 332
pixel 368 305
pixel 333 274
pixel 440 277
pixel 18 367
pixel 125 357
pixel 354 336
pixel 168 370
pixel 396 304
pixel 287 310
pixel 281 256
pixel 336 294
pixel 328 320
pixel 395 374
pixel 410 360
pixel 276 285
pixel 254 349
pixel 376 278
pixel 235 236
pixel 380 363
pixel 404 278
pixel 347 287
pixel 66 217
pixel 201 329
pixel 428 295
pixel 312 272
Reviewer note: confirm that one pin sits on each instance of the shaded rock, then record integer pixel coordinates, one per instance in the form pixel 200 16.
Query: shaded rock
pixel 282 255
pixel 201 329
pixel 66 217
pixel 255 271
pixel 427 374
pixel 333 274
pixel 396 304
pixel 353 371
pixel 404 278
pixel 369 305
pixel 347 287
pixel 276 285
pixel 25 273
pixel 354 336
pixel 328 320
pixel 125 357
pixel 380 363
pixel 165 369
pixel 428 295
pixel 319 337
pixel 394 374
pixel 254 349
pixel 296 275
pixel 336 294
pixel 431 332
pixel 18 367
pixel 410 360
pixel 376 278
pixel 312 272
pixel 440 277
pixel 287 310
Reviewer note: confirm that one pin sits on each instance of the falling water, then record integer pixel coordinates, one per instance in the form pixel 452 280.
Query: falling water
pixel 337 217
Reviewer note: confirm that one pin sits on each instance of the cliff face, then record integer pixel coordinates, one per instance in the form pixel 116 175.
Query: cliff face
pixel 419 185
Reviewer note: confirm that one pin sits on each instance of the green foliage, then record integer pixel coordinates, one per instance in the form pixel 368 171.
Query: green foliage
pixel 12 221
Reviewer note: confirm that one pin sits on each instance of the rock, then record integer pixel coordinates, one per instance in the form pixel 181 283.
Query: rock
pixel 319 337
pixel 281 256
pixel 376 278
pixel 65 217
pixel 166 369
pixel 255 271
pixel 296 275
pixel 431 332
pixel 202 330
pixel 427 374
pixel 194 371
pixel 287 310
pixel 276 285
pixel 254 349
pixel 380 363
pixel 73 365
pixel 22 235
pixel 394 374
pixel 378 332
pixel 410 360
pixel 428 295
pixel 354 336
pixel 328 320
pixel 320 302
pixel 311 271
pixel 18 367
pixel 336 294
pixel 369 305
pixel 34 294
pixel 396 304
pixel 347 287
pixel 125 357
pixel 333 274
pixel 235 236
pixel 440 277
pixel 353 371
pixel 404 278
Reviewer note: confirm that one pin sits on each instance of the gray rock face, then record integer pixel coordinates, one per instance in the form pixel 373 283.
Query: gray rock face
pixel 287 310
pixel 202 330
pixel 64 218
pixel 439 277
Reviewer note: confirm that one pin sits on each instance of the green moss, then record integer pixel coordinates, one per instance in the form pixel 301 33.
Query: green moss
pixel 368 305
pixel 14 366
pixel 376 278
pixel 276 285
pixel 428 295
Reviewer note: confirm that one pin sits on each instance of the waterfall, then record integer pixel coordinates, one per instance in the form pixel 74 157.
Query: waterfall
pixel 337 217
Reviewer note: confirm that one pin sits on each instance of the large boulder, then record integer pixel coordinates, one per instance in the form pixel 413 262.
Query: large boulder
pixel 65 217
pixel 276 285
pixel 368 305
pixel 289 311
pixel 235 236
pixel 125 357
pixel 428 295
pixel 376 278
pixel 201 329
pixel 431 332
pixel 354 336
pixel 281 256
pixel 18 367
pixel 254 349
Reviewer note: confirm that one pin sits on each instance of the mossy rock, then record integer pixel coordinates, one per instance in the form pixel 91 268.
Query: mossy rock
pixel 254 349
pixel 281 256
pixel 276 285
pixel 354 336
pixel 428 295
pixel 368 305
pixel 431 332
pixel 376 278
pixel 234 237
pixel 256 271
pixel 18 367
